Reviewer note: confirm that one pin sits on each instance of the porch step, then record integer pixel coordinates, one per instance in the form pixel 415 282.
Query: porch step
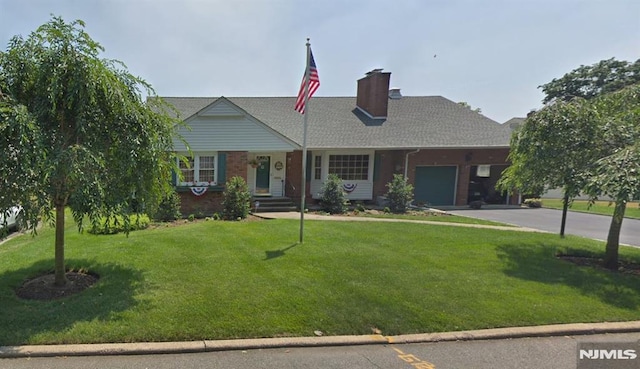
pixel 273 204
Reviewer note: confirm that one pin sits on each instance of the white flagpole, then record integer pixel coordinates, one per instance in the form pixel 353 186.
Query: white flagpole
pixel 303 186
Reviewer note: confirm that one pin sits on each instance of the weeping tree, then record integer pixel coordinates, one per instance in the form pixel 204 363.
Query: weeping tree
pixel 76 133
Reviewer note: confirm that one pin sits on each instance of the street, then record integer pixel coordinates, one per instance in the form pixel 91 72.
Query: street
pixel 521 353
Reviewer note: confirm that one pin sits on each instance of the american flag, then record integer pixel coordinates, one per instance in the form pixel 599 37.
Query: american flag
pixel 314 83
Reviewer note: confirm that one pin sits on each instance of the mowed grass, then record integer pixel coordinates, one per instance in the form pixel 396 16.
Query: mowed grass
pixel 600 207
pixel 219 280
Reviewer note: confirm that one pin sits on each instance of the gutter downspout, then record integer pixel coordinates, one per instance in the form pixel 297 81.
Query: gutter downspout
pixel 406 163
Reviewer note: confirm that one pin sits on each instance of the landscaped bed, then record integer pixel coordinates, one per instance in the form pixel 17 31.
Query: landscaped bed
pixel 428 215
pixel 217 280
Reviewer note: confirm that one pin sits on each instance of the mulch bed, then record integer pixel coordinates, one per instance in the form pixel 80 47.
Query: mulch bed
pixel 42 287
pixel 624 266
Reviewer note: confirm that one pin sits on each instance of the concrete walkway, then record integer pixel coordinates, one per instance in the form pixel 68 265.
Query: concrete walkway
pixel 345 218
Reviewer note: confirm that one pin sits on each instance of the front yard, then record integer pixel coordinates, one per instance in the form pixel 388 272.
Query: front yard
pixel 218 280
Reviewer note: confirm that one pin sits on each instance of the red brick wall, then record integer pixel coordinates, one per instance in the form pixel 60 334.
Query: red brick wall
pixel 211 201
pixel 237 162
pixel 462 158
pixel 392 162
pixel 373 94
pixel 207 204
pixel 294 177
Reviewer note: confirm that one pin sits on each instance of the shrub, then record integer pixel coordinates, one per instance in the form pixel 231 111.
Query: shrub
pixel 334 199
pixel 236 201
pixel 168 210
pixel 117 224
pixel 533 203
pixel 399 194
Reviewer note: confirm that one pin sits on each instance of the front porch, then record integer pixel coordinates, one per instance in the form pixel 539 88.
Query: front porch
pixel 266 174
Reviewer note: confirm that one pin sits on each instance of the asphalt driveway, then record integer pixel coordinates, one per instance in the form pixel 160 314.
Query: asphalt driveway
pixel 580 224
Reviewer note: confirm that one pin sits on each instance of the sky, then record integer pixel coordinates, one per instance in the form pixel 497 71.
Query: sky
pixel 492 54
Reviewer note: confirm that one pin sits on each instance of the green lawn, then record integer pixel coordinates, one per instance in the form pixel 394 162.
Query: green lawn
pixel 600 207
pixel 218 280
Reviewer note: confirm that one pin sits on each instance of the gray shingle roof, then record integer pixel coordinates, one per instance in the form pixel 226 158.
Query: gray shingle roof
pixel 334 122
pixel 514 122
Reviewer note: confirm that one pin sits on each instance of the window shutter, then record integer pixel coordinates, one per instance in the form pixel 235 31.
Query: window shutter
pixel 174 178
pixel 377 159
pixel 222 168
pixel 309 163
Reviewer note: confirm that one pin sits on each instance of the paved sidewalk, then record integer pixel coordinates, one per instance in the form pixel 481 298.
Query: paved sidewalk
pixel 345 218
pixel 152 348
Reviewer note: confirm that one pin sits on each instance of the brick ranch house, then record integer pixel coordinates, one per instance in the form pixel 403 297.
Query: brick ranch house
pixel 450 154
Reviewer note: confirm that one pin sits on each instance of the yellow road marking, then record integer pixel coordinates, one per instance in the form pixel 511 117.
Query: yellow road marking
pixel 413 360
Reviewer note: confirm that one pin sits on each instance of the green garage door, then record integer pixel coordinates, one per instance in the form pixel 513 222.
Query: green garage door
pixel 435 185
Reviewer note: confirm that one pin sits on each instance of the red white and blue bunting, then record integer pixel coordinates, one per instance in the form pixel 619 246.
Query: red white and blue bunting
pixel 199 191
pixel 349 187
pixel 199 188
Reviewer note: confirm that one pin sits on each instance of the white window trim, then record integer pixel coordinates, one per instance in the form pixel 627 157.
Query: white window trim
pixel 196 169
pixel 327 154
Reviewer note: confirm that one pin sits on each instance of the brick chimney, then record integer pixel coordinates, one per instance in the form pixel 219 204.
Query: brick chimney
pixel 373 93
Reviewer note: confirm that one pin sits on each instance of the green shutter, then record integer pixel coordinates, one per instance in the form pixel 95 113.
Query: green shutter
pixel 174 178
pixel 309 163
pixel 377 159
pixel 222 168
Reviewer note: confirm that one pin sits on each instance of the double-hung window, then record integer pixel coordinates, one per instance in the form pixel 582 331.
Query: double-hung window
pixel 198 169
pixel 317 167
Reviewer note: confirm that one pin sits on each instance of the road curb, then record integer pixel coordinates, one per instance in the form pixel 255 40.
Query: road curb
pixel 153 348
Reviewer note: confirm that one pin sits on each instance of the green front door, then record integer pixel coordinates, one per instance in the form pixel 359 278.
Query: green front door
pixel 263 175
pixel 435 185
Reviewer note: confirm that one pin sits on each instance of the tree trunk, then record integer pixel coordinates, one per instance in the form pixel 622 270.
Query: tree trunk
pixel 60 271
pixel 613 239
pixel 565 208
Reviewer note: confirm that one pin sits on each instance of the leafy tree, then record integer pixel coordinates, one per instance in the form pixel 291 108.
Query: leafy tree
pixel 565 132
pixel 399 194
pixel 76 133
pixel 553 149
pixel 616 173
pixel 590 81
pixel 601 156
pixel 467 105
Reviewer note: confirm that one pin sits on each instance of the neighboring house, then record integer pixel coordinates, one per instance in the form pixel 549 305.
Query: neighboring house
pixel 514 123
pixel 451 155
